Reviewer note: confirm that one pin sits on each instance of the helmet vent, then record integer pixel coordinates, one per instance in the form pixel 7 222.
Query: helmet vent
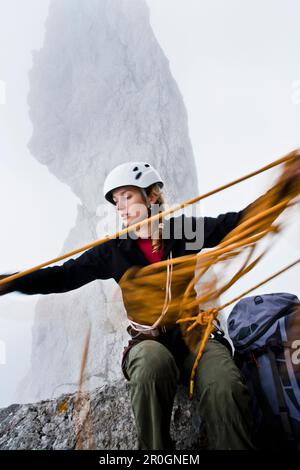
pixel 138 175
pixel 147 164
pixel 135 168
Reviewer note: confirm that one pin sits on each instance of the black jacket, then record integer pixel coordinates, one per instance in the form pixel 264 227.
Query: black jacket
pixel 112 258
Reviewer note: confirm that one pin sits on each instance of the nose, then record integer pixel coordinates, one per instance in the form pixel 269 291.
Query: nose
pixel 121 204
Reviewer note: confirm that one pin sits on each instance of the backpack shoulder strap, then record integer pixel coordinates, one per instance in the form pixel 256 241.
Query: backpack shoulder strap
pixel 283 409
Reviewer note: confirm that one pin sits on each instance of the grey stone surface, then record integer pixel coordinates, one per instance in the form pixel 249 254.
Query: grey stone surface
pixel 101 419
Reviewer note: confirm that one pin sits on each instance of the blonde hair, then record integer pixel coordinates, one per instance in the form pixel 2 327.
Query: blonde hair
pixel 157 236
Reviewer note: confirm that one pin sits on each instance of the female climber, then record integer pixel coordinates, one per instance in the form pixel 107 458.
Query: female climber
pixel 157 359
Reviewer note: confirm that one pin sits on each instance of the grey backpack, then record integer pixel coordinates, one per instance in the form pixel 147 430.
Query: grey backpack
pixel 265 332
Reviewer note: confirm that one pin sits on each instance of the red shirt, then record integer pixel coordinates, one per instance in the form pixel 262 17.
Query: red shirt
pixel 145 245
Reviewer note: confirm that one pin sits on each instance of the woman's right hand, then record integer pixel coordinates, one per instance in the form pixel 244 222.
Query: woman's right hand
pixel 4 288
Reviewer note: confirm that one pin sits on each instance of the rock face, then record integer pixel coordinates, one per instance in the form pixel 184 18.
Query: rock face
pixel 101 93
pixel 68 423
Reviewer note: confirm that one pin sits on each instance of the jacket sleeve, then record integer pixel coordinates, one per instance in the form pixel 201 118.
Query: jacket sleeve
pixel 210 231
pixel 74 273
pixel 216 228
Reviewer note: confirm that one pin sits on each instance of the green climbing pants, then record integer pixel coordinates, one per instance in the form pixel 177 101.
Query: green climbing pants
pixel 224 403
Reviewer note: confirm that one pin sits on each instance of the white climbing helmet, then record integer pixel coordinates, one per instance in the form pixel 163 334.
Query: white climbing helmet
pixel 140 174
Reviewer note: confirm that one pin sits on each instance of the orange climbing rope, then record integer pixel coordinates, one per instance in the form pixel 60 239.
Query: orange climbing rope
pixel 256 225
pixel 141 288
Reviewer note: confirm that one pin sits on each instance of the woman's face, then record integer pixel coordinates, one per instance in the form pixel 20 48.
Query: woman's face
pixel 130 204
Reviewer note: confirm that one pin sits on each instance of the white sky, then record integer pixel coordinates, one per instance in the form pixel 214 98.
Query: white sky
pixel 237 65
